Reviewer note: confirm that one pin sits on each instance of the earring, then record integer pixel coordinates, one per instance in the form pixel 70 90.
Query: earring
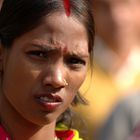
pixel 65 83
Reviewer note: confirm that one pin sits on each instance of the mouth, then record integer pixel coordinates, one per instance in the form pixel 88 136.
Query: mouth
pixel 50 98
pixel 49 102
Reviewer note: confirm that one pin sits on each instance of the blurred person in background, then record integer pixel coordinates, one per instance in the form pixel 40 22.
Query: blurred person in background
pixel 118 29
pixel 117 26
pixel 124 120
pixel 116 59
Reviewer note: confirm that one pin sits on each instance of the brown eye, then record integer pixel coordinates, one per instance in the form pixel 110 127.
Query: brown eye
pixel 75 62
pixel 37 53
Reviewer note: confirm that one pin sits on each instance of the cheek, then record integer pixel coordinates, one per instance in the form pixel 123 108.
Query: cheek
pixel 76 82
pixel 74 85
pixel 18 80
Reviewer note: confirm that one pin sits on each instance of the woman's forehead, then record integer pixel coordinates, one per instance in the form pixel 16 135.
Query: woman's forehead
pixel 60 34
pixel 64 28
pixel 52 43
pixel 62 20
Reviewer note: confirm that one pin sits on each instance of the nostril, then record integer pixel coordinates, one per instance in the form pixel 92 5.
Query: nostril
pixel 55 82
pixel 52 89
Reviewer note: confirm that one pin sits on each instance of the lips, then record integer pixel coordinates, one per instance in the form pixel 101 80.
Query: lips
pixel 49 102
pixel 50 98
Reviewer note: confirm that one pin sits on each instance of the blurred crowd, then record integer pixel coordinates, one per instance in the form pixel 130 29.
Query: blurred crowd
pixel 115 83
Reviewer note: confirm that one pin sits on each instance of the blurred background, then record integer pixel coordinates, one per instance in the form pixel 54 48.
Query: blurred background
pixel 116 71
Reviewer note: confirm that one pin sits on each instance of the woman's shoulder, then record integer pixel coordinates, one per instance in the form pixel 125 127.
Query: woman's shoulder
pixel 63 132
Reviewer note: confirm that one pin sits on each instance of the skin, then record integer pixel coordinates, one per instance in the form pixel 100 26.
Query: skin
pixel 38 62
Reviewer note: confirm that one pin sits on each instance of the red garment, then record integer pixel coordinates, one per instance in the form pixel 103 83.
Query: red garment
pixel 3 134
pixel 65 134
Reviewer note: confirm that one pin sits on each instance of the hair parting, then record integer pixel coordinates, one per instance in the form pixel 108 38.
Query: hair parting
pixel 67 7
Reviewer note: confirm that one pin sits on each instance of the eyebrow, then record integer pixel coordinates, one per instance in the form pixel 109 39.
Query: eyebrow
pixel 44 47
pixel 48 48
pixel 79 54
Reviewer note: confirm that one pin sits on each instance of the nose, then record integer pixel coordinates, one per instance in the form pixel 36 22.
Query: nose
pixel 56 77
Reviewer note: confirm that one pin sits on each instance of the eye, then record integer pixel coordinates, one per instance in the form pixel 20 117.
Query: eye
pixel 75 62
pixel 37 54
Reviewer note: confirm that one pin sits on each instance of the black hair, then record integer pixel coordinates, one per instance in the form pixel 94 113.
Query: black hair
pixel 20 16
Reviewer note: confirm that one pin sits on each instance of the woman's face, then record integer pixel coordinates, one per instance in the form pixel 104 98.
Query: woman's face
pixel 44 68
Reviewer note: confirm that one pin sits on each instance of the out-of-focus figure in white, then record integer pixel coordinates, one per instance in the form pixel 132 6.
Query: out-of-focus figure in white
pixel 117 51
pixel 116 69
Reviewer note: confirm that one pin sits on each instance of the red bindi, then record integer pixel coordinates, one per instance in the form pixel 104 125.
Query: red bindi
pixel 67 7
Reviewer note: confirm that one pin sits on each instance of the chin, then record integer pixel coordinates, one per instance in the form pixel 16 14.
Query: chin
pixel 41 121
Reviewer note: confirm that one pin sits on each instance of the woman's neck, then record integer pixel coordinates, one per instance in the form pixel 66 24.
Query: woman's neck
pixel 19 128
